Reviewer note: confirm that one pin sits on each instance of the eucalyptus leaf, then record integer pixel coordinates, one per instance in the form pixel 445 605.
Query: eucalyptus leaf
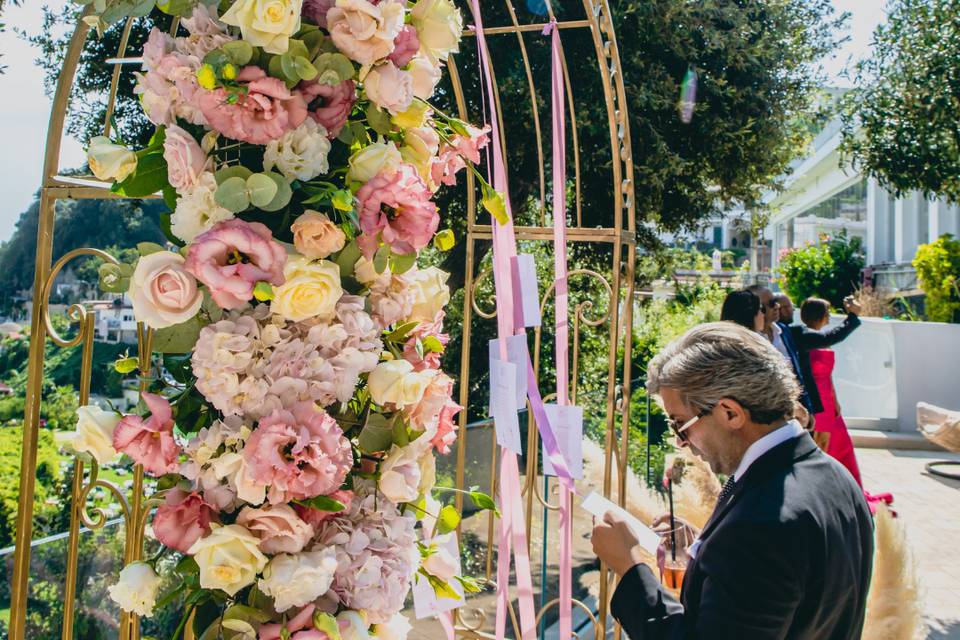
pixel 297 48
pixel 283 194
pixel 305 70
pixel 261 189
pixel 381 257
pixel 313 41
pixel 401 263
pixel 232 194
pixel 236 170
pixel 288 67
pixel 378 120
pixel 335 62
pixel 347 258
pixel 239 51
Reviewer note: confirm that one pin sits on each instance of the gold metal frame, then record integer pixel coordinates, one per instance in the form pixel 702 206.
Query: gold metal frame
pixel 620 233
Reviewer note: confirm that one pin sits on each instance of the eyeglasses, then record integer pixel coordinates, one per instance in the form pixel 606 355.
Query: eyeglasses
pixel 678 430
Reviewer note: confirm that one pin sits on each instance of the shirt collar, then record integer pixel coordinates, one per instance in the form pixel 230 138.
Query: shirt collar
pixel 778 436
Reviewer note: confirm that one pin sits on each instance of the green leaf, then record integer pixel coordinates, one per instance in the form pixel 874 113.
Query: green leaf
pixel 483 501
pixel 170 197
pixel 441 588
pixel 432 344
pixel 240 52
pixel 333 68
pixel 347 258
pixel 288 67
pixel 400 333
pixel 400 436
pixel 327 624
pixel 112 279
pixel 260 189
pixel 323 503
pixel 378 120
pixel 469 584
pixel 238 171
pixel 263 291
pixel 179 338
pixel 296 48
pixel 448 519
pixel 232 194
pixel 381 257
pixel 283 195
pixel 126 365
pixel 342 199
pixel 177 7
pixel 401 263
pixel 313 40
pixel 303 68
pixel 146 248
pixel 150 177
pixel 444 240
pixel 376 435
pixel 346 135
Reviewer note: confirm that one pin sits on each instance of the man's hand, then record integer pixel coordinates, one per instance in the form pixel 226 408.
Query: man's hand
pixel 851 305
pixel 685 534
pixel 615 544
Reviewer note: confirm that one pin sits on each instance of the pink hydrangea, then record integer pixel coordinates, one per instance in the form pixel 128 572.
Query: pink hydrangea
pixel 149 442
pixel 329 105
pixel 232 257
pixel 206 32
pixel 182 519
pixel 377 556
pixel 300 453
pixel 405 46
pixel 429 360
pixel 265 111
pixel 168 89
pixel 410 218
pixel 315 517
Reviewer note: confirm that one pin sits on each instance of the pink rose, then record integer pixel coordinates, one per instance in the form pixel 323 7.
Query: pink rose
pixel 429 360
pixel 161 291
pixel 316 11
pixel 300 453
pixel 182 520
pixel 232 257
pixel 423 415
pixel 264 112
pixel 279 528
pixel 186 161
pixel 405 46
pixel 411 218
pixel 149 442
pixel 315 517
pixel 316 236
pixel 446 433
pixel 389 88
pixel 330 105
pixel 364 31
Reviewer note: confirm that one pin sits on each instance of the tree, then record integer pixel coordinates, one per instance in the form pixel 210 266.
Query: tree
pixel 901 124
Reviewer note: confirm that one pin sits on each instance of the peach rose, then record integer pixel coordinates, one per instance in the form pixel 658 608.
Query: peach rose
pixel 365 31
pixel 389 88
pixel 162 292
pixel 316 236
pixel 279 528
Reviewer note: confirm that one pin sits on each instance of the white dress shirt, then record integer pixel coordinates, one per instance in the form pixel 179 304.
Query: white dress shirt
pixel 777 341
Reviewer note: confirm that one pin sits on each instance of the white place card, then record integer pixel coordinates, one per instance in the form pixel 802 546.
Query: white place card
pixel 597 505
pixel 425 600
pixel 503 404
pixel 567 423
pixel 529 289
pixel 517 354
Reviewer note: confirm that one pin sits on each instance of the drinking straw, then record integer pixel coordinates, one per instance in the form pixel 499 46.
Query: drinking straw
pixel 673 524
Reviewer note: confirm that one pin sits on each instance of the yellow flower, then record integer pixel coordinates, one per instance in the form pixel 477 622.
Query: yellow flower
pixel 372 159
pixel 265 23
pixel 110 161
pixel 413 117
pixel 311 290
pixel 229 558
pixel 396 383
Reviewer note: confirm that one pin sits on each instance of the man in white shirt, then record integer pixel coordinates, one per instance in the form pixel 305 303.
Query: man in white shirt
pixel 787 552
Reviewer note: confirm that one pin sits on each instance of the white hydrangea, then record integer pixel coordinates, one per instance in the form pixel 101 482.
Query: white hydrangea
pixel 300 154
pixel 197 210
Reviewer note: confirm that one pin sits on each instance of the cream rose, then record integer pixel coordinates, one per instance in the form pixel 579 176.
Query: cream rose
pixel 404 473
pixel 394 382
pixel 232 467
pixel 389 88
pixel 431 293
pixel 316 236
pixel 299 579
pixel 110 161
pixel 439 26
pixel 440 563
pixel 94 434
pixel 425 74
pixel 310 290
pixel 364 31
pixel 265 23
pixel 229 558
pixel 163 293
pixel 372 159
pixel 137 590
pixel 420 147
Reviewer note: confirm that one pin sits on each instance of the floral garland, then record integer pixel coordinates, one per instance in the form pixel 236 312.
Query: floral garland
pixel 298 406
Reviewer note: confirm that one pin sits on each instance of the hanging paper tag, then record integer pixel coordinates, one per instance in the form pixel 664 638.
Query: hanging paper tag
pixel 503 404
pixel 529 291
pixel 597 505
pixel 426 602
pixel 567 423
pixel 517 354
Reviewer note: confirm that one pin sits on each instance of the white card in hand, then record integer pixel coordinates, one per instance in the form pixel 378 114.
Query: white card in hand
pixel 503 404
pixel 529 291
pixel 598 505
pixel 517 353
pixel 425 600
pixel 567 423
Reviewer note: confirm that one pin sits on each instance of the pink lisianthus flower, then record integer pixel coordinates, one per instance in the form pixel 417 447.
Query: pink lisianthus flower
pixel 446 165
pixel 329 105
pixel 446 433
pixel 425 329
pixel 300 453
pixel 149 442
pixel 315 517
pixel 266 112
pixel 232 257
pixel 183 519
pixel 411 219
pixel 405 46
pixel 470 146
pixel 316 11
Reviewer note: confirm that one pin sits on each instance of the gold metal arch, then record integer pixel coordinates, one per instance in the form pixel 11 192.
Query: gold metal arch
pixel 615 286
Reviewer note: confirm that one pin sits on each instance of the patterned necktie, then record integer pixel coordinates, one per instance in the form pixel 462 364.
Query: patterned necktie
pixel 725 491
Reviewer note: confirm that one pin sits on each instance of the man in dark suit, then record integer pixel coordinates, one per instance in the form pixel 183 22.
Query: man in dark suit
pixel 787 553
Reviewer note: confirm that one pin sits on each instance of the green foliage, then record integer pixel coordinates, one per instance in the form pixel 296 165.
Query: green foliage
pixel 48 471
pixel 901 123
pixel 829 270
pixel 938 268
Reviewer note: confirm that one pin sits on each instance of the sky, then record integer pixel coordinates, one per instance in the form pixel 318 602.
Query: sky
pixel 25 110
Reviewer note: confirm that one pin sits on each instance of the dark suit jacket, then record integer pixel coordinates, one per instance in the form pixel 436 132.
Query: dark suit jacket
pixel 787 557
pixel 794 355
pixel 805 339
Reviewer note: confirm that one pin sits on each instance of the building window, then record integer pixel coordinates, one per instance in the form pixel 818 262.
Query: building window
pixel 849 204
pixel 718 236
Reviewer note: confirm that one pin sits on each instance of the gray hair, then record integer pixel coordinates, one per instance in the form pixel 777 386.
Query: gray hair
pixel 721 360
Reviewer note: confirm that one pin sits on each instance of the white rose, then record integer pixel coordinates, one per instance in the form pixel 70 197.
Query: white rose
pixel 311 290
pixel 372 159
pixel 162 292
pixel 389 88
pixel 94 433
pixel 431 293
pixel 294 580
pixel 233 468
pixel 300 154
pixel 109 161
pixel 394 382
pixel 137 590
pixel 440 563
pixel 197 210
pixel 229 558
pixel 265 23
pixel 439 26
pixel 425 74
pixel 396 629
pixel 353 625
pixel 402 472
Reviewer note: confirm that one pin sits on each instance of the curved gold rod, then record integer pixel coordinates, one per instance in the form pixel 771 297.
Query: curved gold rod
pixel 115 78
pixel 579 604
pixel 486 315
pixel 76 312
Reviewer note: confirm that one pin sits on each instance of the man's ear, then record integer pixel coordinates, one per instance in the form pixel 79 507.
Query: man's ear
pixel 731 413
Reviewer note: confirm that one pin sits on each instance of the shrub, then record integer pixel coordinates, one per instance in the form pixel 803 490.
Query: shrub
pixel 48 471
pixel 938 267
pixel 829 270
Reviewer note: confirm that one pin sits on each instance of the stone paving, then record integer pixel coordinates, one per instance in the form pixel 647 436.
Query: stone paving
pixel 929 507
